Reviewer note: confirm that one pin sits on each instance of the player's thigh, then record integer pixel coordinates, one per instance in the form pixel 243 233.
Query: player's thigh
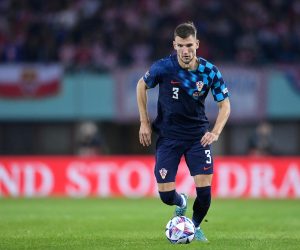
pixel 167 157
pixel 199 159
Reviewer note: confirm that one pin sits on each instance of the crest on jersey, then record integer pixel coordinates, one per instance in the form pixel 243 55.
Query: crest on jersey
pixel 199 85
pixel 163 173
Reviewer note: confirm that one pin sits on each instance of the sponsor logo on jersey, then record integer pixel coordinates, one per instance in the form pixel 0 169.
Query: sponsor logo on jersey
pixel 206 168
pixel 163 173
pixel 175 82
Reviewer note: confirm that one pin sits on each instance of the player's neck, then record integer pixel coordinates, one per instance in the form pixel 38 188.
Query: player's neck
pixel 193 65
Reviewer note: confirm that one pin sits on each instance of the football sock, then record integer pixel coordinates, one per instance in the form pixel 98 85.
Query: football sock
pixel 171 198
pixel 201 204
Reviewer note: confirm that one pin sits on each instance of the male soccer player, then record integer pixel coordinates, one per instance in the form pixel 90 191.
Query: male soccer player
pixel 184 81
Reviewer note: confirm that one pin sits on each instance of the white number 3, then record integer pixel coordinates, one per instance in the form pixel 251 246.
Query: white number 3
pixel 207 152
pixel 175 93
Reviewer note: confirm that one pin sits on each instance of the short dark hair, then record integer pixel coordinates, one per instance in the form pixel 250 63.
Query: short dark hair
pixel 184 30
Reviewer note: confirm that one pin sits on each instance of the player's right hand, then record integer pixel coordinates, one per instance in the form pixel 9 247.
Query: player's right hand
pixel 145 134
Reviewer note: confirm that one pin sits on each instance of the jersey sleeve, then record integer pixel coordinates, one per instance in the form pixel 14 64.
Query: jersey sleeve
pixel 153 75
pixel 218 88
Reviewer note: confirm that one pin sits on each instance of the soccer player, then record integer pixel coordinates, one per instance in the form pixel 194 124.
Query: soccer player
pixel 181 124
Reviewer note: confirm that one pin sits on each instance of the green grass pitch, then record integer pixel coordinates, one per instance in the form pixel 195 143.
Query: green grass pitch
pixel 59 223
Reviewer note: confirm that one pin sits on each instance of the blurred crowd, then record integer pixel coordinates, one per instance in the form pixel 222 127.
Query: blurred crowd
pixel 104 34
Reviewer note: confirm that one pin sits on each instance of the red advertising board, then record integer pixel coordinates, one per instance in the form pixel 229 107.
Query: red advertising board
pixel 132 176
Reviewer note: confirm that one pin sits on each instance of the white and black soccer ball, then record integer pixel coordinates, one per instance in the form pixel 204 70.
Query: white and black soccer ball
pixel 180 230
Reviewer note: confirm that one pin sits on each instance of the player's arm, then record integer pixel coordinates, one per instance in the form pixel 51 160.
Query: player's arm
pixel 145 127
pixel 224 112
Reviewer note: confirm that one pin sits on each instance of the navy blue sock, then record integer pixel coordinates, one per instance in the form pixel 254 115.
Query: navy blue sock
pixel 171 198
pixel 201 204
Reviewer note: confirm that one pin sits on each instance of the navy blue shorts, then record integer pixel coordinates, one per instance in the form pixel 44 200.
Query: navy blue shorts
pixel 168 155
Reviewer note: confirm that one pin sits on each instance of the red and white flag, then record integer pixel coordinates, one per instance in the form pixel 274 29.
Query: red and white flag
pixel 30 81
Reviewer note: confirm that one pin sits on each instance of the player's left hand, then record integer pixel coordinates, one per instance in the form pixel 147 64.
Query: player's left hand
pixel 208 138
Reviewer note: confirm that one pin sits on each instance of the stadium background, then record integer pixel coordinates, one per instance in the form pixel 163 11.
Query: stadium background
pixel 103 47
pixel 69 122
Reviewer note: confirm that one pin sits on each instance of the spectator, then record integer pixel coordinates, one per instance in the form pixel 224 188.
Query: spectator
pixel 249 32
pixel 89 140
pixel 260 143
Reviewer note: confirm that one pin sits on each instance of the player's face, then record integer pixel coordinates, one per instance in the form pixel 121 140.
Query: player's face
pixel 186 50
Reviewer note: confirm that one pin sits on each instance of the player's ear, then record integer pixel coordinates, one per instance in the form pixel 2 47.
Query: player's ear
pixel 174 45
pixel 197 44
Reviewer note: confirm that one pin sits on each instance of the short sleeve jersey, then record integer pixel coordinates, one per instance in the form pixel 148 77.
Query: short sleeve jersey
pixel 182 93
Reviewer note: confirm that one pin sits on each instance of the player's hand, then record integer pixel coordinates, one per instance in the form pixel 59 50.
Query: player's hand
pixel 208 138
pixel 145 134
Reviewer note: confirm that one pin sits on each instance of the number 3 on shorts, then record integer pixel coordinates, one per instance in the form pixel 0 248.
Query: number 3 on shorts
pixel 207 152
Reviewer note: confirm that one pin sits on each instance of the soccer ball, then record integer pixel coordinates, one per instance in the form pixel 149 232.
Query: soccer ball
pixel 180 230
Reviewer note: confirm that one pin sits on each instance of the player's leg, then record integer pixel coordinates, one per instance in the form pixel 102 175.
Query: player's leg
pixel 169 196
pixel 168 155
pixel 202 203
pixel 200 163
pixel 203 199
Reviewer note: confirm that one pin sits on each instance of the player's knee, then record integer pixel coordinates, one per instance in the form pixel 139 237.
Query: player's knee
pixel 167 197
pixel 204 196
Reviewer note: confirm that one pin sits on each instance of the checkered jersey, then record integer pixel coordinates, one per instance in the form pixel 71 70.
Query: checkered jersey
pixel 207 73
pixel 182 94
pixel 218 86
